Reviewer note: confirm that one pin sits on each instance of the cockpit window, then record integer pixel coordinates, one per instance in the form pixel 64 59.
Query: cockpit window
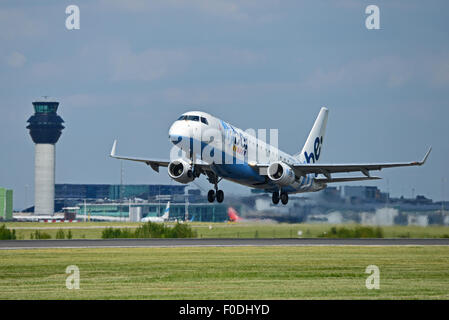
pixel 204 120
pixel 193 118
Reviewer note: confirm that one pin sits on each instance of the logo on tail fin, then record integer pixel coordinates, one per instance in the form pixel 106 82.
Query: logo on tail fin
pixel 315 155
pixel 167 211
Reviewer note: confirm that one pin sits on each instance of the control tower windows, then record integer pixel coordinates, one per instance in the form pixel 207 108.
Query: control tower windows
pixel 45 108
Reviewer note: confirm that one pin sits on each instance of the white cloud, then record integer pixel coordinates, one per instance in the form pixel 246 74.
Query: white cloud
pixel 231 94
pixel 259 10
pixel 232 56
pixel 389 70
pixel 440 71
pixel 49 70
pixel 16 59
pixel 148 65
pixel 222 8
pixel 17 23
pixel 427 70
pixel 152 64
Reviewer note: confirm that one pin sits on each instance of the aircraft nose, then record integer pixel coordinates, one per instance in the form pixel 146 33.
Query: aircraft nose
pixel 178 131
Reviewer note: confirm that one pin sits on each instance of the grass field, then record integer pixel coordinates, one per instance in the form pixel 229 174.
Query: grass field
pixel 226 273
pixel 93 230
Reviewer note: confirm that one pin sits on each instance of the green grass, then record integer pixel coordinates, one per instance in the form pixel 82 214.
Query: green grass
pixel 227 273
pixel 285 230
pixel 93 230
pixel 80 230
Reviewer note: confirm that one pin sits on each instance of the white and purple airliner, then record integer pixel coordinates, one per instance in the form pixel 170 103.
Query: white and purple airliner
pixel 218 150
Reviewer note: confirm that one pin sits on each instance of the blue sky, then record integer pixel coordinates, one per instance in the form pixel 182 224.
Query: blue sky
pixel 135 66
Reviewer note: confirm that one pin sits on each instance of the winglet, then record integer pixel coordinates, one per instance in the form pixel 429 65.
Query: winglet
pixel 113 149
pixel 426 156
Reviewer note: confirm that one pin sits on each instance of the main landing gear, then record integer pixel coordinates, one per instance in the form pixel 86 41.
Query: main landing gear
pixel 217 194
pixel 283 197
pixel 212 195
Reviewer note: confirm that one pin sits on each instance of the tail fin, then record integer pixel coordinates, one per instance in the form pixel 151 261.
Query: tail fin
pixel 167 211
pixel 311 151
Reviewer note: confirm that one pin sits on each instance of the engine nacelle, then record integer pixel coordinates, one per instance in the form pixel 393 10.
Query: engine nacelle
pixel 180 171
pixel 281 174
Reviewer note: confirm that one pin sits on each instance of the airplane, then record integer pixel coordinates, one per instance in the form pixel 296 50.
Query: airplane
pixel 226 152
pixel 38 218
pixel 233 216
pixel 162 218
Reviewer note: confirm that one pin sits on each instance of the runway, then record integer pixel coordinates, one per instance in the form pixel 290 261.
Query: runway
pixel 164 243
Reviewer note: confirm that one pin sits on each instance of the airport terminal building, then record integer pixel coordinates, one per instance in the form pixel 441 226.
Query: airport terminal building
pixel 134 211
pixel 93 192
pixel 136 201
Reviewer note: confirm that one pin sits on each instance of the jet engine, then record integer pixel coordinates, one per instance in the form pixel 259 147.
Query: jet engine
pixel 281 174
pixel 180 171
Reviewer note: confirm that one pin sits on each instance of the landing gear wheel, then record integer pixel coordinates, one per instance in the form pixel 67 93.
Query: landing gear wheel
pixel 284 198
pixel 275 198
pixel 220 196
pixel 211 196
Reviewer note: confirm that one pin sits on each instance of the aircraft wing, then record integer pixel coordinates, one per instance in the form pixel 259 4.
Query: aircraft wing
pixel 345 179
pixel 328 169
pixel 154 164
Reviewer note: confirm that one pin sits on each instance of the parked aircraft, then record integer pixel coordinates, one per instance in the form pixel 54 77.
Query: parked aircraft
pixel 162 218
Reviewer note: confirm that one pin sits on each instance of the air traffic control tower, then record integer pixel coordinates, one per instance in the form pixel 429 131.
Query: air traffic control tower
pixel 45 129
